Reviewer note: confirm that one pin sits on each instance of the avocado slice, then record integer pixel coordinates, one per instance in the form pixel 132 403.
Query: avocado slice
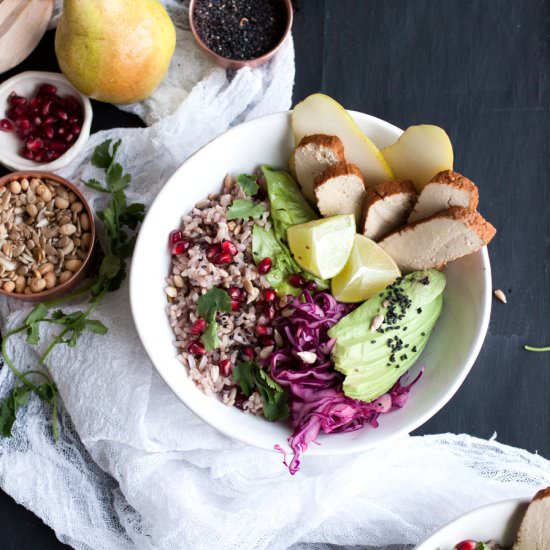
pixel 373 360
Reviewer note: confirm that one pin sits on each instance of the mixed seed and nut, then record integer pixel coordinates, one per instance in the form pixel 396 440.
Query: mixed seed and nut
pixel 44 235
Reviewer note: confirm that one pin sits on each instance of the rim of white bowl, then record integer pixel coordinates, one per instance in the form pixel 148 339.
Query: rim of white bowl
pixel 319 450
pixel 10 158
pixel 510 505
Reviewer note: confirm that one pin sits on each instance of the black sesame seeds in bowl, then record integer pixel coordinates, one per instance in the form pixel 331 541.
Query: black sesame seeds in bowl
pixel 238 33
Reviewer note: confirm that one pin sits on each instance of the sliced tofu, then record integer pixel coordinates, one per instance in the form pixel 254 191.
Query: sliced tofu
pixel 312 156
pixel 446 189
pixel 534 531
pixel 439 239
pixel 386 208
pixel 340 190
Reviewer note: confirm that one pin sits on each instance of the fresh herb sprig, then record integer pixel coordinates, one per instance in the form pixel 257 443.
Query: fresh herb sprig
pixel 209 304
pixel 119 219
pixel 251 377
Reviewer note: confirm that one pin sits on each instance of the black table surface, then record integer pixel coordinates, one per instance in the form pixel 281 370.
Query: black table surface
pixel 481 70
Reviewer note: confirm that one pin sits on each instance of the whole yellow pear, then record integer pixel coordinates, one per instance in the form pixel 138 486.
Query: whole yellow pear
pixel 116 51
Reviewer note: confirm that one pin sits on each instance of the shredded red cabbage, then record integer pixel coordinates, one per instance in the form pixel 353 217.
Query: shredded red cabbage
pixel 317 402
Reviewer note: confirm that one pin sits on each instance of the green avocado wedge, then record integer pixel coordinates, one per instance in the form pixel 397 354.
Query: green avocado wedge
pixel 374 358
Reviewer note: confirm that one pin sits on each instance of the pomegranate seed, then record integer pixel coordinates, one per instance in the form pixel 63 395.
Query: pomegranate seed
pixel 248 351
pixel 226 368
pixel 229 248
pixel 35 103
pixel 46 108
pixel 235 305
pixel 269 295
pixel 466 545
pixel 72 103
pixel 270 312
pixel 48 132
pixel 47 89
pixel 235 293
pixel 58 146
pixel 263 330
pixel 37 121
pixel 15 99
pixel 39 157
pixel 25 153
pixel 212 251
pixel 62 114
pixel 175 236
pixel 264 266
pixel 180 247
pixel 61 131
pixel 69 138
pixel 196 348
pixel 198 327
pixel 311 286
pixel 267 341
pixel 74 119
pixel 24 124
pixel 75 129
pixel 296 280
pixel 50 120
pixel 6 125
pixel 34 144
pixel 223 258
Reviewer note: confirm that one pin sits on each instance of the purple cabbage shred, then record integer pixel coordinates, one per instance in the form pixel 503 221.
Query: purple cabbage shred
pixel 317 402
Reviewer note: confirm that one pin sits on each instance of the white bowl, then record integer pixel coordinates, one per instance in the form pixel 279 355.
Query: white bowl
pixel 25 84
pixel 449 356
pixel 498 521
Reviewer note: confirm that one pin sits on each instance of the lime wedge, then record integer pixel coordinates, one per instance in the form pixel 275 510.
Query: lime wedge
pixel 322 247
pixel 368 270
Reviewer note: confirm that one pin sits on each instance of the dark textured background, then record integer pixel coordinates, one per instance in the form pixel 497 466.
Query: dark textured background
pixel 481 70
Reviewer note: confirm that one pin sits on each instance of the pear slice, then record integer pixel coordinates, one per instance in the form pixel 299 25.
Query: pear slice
pixel 320 114
pixel 420 153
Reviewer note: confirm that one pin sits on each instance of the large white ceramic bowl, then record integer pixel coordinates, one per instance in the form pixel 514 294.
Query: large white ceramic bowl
pixel 449 356
pixel 498 521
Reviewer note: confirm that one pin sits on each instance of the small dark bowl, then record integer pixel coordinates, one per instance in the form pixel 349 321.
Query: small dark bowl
pixel 235 64
pixel 67 286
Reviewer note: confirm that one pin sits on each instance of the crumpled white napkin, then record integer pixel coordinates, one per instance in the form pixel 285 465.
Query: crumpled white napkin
pixel 135 469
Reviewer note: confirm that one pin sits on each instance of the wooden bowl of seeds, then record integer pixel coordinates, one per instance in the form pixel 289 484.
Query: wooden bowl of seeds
pixel 47 236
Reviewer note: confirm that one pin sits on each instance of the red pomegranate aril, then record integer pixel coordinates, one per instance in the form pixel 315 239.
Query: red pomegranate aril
pixel 248 351
pixel 39 157
pixel 15 99
pixel 48 132
pixel 466 545
pixel 235 305
pixel 37 121
pixel 264 266
pixel 229 248
pixel 25 153
pixel 6 125
pixel 212 251
pixel 75 129
pixel 62 114
pixel 35 103
pixel 61 131
pixel 34 144
pixel 46 108
pixel 223 258
pixel 235 293
pixel 198 327
pixel 180 247
pixel 50 120
pixel 269 295
pixel 47 89
pixel 175 236
pixel 69 138
pixel 196 348
pixel 226 368
pixel 267 341
pixel 270 312
pixel 296 280
pixel 311 286
pixel 58 146
pixel 263 330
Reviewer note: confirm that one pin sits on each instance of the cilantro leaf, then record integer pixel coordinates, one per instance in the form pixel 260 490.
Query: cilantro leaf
pixel 244 209
pixel 33 334
pixel 216 299
pixel 248 184
pixel 94 184
pixel 209 304
pixel 16 398
pixel 251 377
pixel 96 327
pixel 38 312
pixel 102 158
pixel 116 179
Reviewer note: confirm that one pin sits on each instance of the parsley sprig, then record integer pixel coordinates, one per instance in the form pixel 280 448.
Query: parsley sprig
pixel 250 378
pixel 209 304
pixel 119 219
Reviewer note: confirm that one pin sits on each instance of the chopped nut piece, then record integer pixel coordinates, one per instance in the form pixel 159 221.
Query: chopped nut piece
pixel 499 295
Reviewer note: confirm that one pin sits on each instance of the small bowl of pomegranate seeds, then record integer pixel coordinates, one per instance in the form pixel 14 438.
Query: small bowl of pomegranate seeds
pixel 44 121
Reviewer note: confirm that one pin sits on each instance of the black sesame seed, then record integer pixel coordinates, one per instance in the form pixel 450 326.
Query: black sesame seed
pixel 373 341
pixel 422 334
pixel 413 349
pixel 419 310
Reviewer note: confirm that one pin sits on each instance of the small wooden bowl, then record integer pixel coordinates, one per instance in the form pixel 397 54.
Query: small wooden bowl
pixel 235 64
pixel 67 286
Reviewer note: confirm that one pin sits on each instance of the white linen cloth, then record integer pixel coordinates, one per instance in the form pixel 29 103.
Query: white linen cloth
pixel 133 468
